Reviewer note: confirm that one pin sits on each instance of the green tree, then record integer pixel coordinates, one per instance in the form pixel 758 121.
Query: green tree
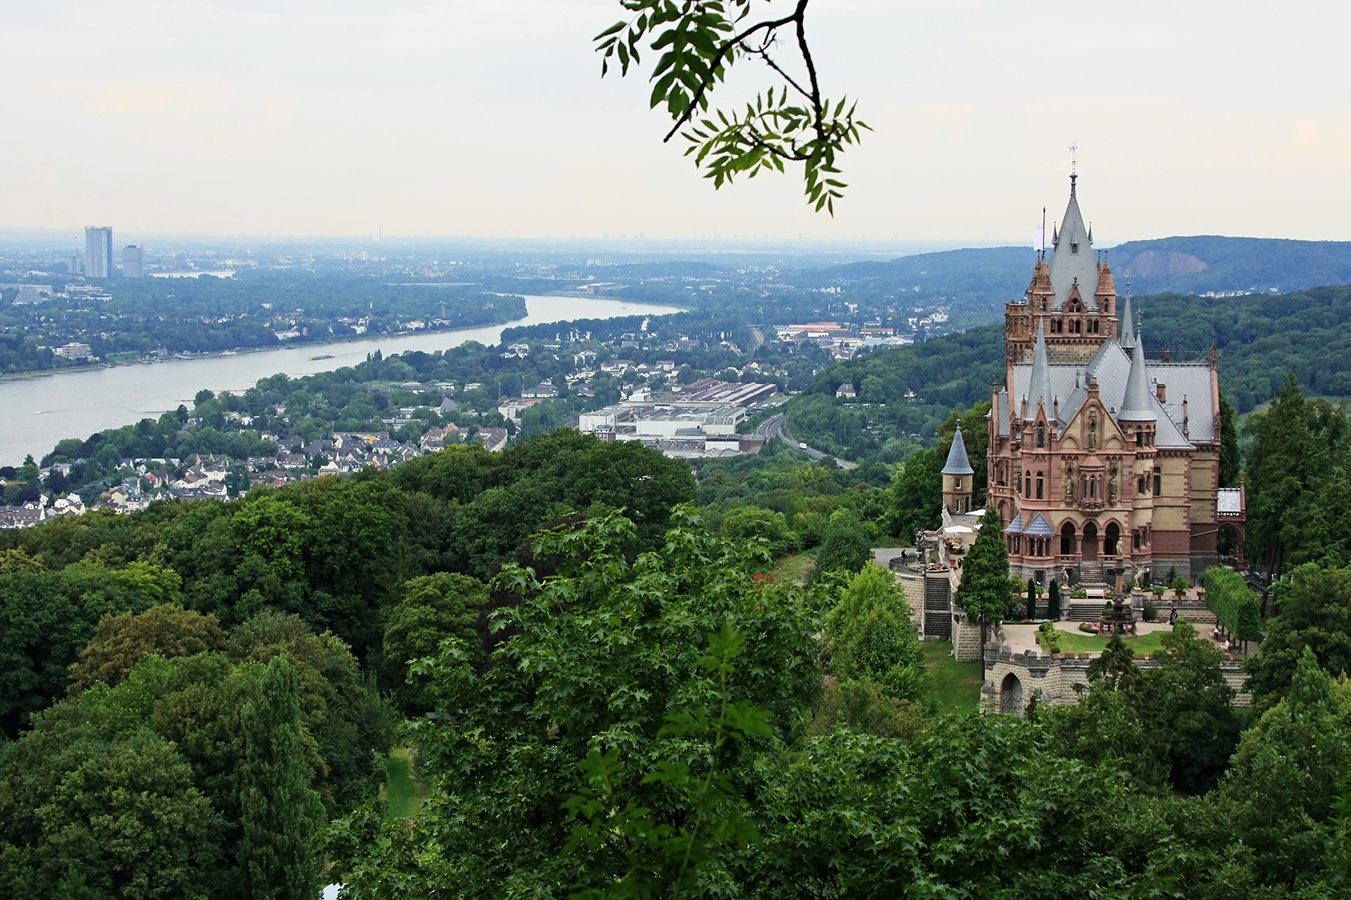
pixel 98 815
pixel 281 810
pixel 1229 447
pixel 1314 615
pixel 433 608
pixel 984 588
pixel 1189 706
pixel 1279 792
pixel 610 735
pixel 121 641
pixel 1053 601
pixel 872 637
pixel 695 45
pixel 916 494
pixel 1282 466
pixel 845 546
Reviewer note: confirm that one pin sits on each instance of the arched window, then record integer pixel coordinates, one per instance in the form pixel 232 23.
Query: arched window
pixel 1041 435
pixel 1067 536
pixel 1040 485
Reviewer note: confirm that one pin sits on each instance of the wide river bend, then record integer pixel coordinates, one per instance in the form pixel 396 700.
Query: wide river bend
pixel 37 412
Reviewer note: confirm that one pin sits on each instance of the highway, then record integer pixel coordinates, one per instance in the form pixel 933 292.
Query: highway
pixel 773 427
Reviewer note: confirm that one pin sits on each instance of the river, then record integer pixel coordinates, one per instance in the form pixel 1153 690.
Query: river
pixel 37 412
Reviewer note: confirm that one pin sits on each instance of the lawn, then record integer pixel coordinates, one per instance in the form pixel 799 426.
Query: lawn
pixel 794 569
pixel 403 794
pixel 955 686
pixel 1078 642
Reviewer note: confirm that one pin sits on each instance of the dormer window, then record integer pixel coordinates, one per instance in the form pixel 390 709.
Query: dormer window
pixel 1074 246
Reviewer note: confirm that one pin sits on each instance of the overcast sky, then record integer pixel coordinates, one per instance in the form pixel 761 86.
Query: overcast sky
pixel 489 118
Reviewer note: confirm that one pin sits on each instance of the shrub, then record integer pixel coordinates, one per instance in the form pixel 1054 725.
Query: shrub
pixel 1151 611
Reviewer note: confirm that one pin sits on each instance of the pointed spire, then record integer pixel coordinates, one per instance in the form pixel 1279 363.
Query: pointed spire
pixel 1126 329
pixel 1135 406
pixel 1039 388
pixel 958 463
pixel 1106 285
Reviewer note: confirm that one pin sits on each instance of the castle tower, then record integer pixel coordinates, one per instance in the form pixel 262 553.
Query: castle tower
pixel 1072 297
pixel 957 476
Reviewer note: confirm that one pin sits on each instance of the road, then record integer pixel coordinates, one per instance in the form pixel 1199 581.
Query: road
pixel 773 427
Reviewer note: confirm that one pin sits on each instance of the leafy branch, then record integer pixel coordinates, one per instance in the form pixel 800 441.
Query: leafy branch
pixel 789 123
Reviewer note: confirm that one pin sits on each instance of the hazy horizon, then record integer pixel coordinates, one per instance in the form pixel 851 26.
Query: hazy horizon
pixel 482 119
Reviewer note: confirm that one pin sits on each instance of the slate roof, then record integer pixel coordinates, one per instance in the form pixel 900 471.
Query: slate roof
pixel 1229 501
pixel 1038 527
pixel 1073 257
pixel 1111 366
pixel 958 462
pixel 1135 405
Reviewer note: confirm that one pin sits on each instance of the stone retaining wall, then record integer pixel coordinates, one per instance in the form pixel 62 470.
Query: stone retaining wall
pixel 1012 679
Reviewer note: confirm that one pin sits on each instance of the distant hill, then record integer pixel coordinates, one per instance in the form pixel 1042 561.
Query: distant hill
pixel 980 281
pixel 1259 338
pixel 1210 263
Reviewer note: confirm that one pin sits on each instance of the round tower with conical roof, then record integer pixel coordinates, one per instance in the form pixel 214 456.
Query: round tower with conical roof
pixel 957 474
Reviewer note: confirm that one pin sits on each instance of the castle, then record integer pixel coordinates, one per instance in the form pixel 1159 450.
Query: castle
pixel 1103 464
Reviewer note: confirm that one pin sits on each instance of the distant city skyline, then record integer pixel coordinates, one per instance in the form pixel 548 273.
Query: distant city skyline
pixel 486 119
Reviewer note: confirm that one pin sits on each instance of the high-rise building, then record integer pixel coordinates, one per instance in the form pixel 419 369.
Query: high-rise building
pixel 98 252
pixel 132 260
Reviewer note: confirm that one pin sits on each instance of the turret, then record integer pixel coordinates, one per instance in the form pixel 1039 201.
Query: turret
pixel 1039 388
pixel 1127 326
pixel 957 474
pixel 1136 405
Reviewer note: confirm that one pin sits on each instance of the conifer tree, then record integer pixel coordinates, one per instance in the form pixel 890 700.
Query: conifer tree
pixel 984 590
pixel 281 811
pixel 1053 602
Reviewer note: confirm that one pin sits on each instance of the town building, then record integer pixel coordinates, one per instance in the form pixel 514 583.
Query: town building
pixel 98 252
pixel 1103 461
pixel 133 261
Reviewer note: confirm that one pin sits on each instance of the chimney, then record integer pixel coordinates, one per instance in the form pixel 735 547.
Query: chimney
pixel 1161 391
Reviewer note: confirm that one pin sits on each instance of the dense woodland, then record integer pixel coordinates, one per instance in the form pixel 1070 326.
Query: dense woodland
pixel 632 701
pixel 1261 339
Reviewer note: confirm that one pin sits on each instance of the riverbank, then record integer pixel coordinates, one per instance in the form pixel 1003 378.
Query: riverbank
pixel 239 351
pixel 43 410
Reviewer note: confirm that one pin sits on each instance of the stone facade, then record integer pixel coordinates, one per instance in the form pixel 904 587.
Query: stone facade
pixel 1012 679
pixel 1101 463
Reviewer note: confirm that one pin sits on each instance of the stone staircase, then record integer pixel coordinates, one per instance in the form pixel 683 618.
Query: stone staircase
pixel 1094 583
pixel 1089 610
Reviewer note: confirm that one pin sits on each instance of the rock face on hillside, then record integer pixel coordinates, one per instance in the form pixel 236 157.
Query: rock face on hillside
pixel 1164 263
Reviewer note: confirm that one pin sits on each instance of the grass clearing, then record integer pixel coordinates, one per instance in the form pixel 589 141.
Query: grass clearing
pixel 955 686
pixel 402 792
pixel 1078 642
pixel 794 569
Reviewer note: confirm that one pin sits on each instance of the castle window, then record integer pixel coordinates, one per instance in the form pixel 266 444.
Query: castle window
pixel 957 483
pixel 1142 486
pixel 1041 435
pixel 1040 484
pixel 1158 482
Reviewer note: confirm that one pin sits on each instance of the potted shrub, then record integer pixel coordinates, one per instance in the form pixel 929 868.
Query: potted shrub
pixel 1179 586
pixel 1157 591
